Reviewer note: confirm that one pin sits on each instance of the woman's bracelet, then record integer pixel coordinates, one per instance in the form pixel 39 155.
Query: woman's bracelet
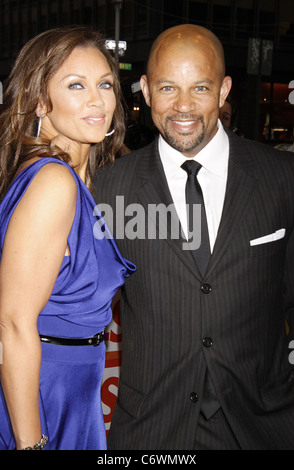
pixel 39 445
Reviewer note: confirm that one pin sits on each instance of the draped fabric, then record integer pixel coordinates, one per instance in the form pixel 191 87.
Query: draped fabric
pixel 79 306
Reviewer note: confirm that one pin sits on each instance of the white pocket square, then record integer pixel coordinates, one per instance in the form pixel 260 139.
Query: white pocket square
pixel 269 238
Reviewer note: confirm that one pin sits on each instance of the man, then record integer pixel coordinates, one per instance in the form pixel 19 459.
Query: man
pixel 196 337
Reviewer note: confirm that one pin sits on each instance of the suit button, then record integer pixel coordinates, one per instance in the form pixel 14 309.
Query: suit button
pixel 193 397
pixel 206 288
pixel 207 342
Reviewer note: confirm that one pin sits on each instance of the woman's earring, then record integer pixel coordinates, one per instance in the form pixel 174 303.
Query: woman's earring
pixel 109 133
pixel 39 125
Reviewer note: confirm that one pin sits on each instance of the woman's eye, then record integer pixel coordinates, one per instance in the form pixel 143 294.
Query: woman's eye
pixel 106 85
pixel 76 86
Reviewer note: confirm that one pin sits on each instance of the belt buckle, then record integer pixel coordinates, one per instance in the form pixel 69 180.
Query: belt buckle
pixel 97 339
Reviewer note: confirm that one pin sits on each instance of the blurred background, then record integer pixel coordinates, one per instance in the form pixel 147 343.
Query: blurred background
pixel 257 35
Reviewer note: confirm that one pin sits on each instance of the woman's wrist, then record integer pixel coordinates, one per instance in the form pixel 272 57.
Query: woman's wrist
pixel 39 445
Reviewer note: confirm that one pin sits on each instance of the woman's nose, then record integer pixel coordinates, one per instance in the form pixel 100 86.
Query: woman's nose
pixel 95 97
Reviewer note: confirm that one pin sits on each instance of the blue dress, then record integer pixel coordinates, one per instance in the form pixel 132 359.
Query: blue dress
pixel 79 307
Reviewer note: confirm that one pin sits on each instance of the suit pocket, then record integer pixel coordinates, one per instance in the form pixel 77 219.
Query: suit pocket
pixel 272 237
pixel 266 249
pixel 129 399
pixel 279 391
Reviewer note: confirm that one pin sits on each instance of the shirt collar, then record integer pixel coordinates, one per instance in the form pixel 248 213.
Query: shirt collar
pixel 213 157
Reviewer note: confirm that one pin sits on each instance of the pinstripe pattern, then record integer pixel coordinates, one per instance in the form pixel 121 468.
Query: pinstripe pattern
pixel 165 315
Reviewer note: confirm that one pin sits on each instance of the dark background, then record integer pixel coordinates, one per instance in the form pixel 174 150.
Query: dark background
pixel 260 90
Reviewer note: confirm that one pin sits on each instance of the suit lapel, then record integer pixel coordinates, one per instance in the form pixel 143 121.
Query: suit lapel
pixel 153 189
pixel 241 184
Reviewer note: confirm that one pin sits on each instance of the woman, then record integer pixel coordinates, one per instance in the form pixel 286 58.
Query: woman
pixel 61 114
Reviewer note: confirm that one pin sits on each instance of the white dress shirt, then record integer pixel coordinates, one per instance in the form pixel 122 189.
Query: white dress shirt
pixel 212 177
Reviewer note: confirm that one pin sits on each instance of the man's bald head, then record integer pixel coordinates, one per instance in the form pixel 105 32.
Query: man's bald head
pixel 185 86
pixel 188 36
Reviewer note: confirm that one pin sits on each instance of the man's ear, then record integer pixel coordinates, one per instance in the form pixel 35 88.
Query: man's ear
pixel 225 90
pixel 145 89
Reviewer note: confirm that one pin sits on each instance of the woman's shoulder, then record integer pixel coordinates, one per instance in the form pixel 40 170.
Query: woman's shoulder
pixel 50 171
pixel 51 167
pixel 50 180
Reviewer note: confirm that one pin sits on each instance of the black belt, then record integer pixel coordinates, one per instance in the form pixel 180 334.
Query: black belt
pixel 94 341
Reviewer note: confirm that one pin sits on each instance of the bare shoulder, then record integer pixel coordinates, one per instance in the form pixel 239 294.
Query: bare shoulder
pixel 56 173
pixel 51 194
pixel 54 181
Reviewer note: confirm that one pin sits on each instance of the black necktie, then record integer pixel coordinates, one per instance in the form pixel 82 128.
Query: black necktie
pixel 210 403
pixel 194 196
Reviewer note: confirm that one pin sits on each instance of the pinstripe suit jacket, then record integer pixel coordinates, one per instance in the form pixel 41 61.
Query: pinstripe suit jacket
pixel 166 312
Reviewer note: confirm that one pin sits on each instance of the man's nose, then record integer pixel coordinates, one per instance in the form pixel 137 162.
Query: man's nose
pixel 184 102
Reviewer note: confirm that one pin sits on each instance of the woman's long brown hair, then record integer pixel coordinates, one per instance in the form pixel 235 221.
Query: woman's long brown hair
pixel 36 63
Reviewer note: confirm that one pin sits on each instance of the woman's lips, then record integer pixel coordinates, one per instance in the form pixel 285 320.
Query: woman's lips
pixel 94 120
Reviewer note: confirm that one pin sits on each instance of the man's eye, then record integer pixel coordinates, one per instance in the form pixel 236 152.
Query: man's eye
pixel 76 86
pixel 201 88
pixel 167 88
